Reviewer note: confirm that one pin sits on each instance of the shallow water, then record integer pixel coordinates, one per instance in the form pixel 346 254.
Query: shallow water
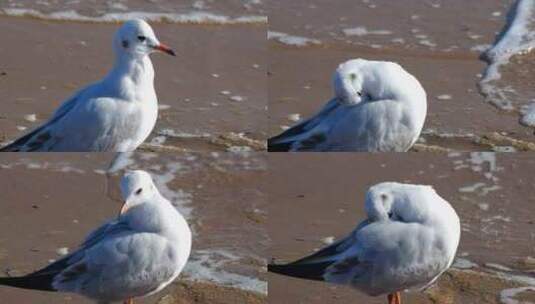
pixel 439 42
pixel 70 195
pixel 189 11
pixel 315 197
pixel 211 96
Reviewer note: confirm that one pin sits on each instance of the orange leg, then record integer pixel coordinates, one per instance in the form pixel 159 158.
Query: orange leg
pixel 394 298
pixel 398 297
pixel 129 301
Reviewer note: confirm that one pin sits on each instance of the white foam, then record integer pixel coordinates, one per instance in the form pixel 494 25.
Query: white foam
pixel 41 165
pixel 461 263
pixel 328 240
pixel 206 265
pixel 444 97
pixel 362 31
pixel 507 295
pixel 294 117
pixel 196 17
pixel 30 117
pixel 291 39
pixel 62 251
pixel 480 48
pixel 472 188
pixel 237 98
pixel 427 42
pixel 239 149
pixel 528 115
pixel 497 267
pixel 158 140
pixel 178 134
pixel 516 38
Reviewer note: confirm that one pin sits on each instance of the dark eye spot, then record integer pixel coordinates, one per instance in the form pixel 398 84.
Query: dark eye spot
pixel 141 38
pixel 359 93
pixel 125 44
pixel 353 76
pixel 390 214
pixel 138 191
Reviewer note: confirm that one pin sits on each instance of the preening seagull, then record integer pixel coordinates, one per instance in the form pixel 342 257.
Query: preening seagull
pixel 408 240
pixel 115 114
pixel 134 255
pixel 378 106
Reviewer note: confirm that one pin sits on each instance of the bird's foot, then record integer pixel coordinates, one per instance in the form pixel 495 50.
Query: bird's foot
pixel 394 298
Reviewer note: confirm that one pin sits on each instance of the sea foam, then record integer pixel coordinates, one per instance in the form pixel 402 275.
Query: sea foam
pixel 516 38
pixel 196 17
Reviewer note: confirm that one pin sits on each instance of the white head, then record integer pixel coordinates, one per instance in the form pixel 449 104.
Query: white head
pixel 137 39
pixel 137 187
pixel 405 203
pixel 358 80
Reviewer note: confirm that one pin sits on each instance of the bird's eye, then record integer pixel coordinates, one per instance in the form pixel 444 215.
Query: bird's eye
pixel 359 93
pixel 138 191
pixel 141 38
pixel 353 76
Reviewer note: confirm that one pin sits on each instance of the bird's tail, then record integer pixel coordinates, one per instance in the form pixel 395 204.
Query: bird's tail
pixel 309 271
pixel 37 282
pixel 276 146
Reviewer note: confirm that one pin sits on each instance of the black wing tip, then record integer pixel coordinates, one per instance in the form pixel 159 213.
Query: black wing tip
pixel 312 271
pixel 9 148
pixel 36 282
pixel 273 146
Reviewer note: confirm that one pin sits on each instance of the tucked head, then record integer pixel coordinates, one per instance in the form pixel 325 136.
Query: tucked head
pixel 348 81
pixel 402 202
pixel 136 187
pixel 358 80
pixel 136 38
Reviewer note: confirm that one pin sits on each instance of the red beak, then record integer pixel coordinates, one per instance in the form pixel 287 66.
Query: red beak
pixel 164 48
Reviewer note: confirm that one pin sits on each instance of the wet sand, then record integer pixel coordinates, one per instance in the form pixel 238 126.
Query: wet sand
pixel 439 42
pixel 70 196
pixel 315 196
pixel 44 62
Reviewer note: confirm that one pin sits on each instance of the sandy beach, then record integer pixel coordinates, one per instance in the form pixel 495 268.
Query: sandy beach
pixel 211 96
pixel 70 196
pixel 439 42
pixel 316 197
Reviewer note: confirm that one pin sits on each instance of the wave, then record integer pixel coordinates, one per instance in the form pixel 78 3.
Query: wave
pixel 185 18
pixel 516 38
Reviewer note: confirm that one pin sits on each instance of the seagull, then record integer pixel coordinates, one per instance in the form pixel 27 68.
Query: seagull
pixel 408 240
pixel 135 255
pixel 378 107
pixel 115 114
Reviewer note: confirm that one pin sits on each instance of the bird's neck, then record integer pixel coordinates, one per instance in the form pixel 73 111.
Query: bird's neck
pixel 134 72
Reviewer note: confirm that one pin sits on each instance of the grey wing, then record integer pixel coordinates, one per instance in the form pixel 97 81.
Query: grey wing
pixel 316 265
pixel 43 138
pixel 126 266
pixel 75 266
pixel 389 256
pixel 70 267
pixel 307 134
pixel 109 229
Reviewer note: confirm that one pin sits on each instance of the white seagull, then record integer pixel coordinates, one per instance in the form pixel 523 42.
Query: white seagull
pixel 134 255
pixel 408 240
pixel 115 114
pixel 378 107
